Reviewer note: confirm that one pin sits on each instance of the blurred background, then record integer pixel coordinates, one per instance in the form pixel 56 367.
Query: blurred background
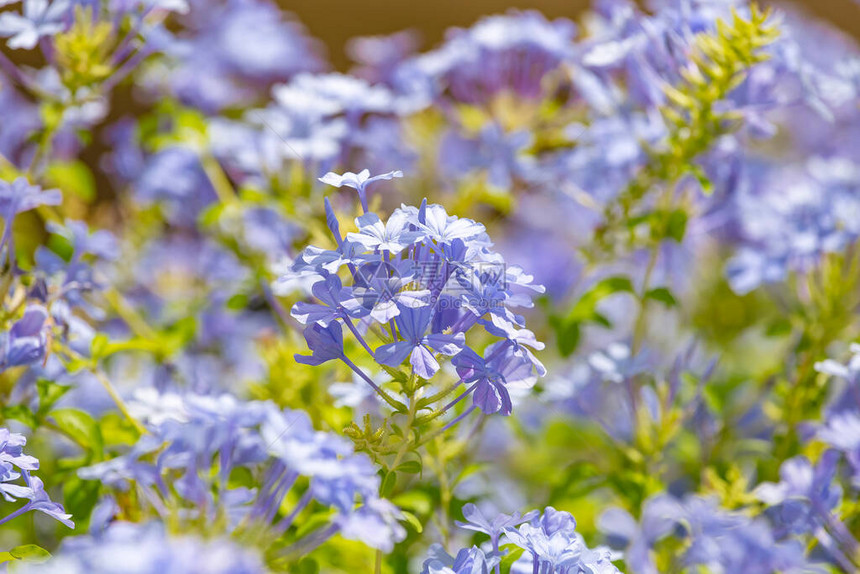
pixel 335 21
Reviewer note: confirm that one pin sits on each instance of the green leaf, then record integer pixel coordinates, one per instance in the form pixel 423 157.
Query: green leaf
pixel 568 338
pixel 662 295
pixel 410 467
pixel 388 484
pixel 80 497
pixel 81 428
pixel 49 393
pixel 568 329
pixel 237 302
pixel 417 501
pixel 397 375
pixel 307 565
pixel 20 413
pixel 413 521
pixel 779 327
pixel 30 553
pixel 676 225
pixel 116 430
pixel 511 557
pixel 98 346
pixel 73 177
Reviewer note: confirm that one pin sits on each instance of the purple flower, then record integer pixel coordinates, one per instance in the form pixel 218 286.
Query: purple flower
pixel 501 155
pixel 806 495
pixel 468 561
pixel 331 293
pixel 325 343
pixel 27 340
pixel 40 18
pixel 14 466
pixel 445 229
pixel 18 197
pixel 174 177
pixel 41 502
pixel 475 520
pixel 417 344
pixel 393 236
pixel 148 548
pixel 492 377
pixel 358 181
pixel 552 544
pixel 842 432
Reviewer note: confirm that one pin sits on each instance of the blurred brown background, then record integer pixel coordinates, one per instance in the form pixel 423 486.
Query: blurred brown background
pixel 335 21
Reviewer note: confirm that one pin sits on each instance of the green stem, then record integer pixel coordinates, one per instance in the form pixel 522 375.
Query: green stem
pixel 220 182
pixel 120 403
pixel 129 314
pixel 641 319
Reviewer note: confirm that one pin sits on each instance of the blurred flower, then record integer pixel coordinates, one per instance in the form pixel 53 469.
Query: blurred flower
pixel 40 18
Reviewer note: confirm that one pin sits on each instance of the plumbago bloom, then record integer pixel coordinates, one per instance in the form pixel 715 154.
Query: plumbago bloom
pixel 420 282
pixel 151 551
pixel 841 427
pixel 505 53
pixel 714 538
pixel 16 482
pixel 549 542
pixel 197 446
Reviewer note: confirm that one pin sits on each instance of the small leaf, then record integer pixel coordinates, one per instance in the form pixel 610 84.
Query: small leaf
pixel 676 226
pixel 410 467
pixel 81 427
pixel 73 177
pixel 779 328
pixel 49 393
pixel 98 346
pixel 568 338
pixel 20 413
pixel 388 484
pixel 662 295
pixel 30 553
pixel 413 521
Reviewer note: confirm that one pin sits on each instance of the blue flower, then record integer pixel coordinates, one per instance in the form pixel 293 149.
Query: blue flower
pixel 359 182
pixel 332 294
pixel 196 442
pixel 18 197
pixel 842 432
pixel 712 537
pixel 417 344
pixel 499 154
pixel 806 495
pixel 149 549
pixel 501 369
pixel 15 466
pixel 468 561
pixel 427 278
pixel 393 236
pixel 40 18
pixel 325 343
pixel 27 340
pixel 174 177
pixel 513 52
pixel 475 520
pixel 552 544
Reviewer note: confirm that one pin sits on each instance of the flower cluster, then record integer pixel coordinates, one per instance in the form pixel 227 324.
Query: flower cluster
pixel 150 549
pixel 197 445
pixel 420 282
pixel 549 542
pixel 16 482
